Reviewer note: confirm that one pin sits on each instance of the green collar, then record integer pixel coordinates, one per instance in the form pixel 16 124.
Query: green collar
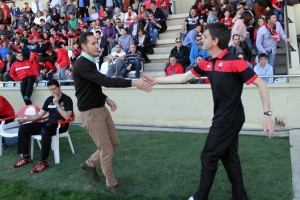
pixel 87 56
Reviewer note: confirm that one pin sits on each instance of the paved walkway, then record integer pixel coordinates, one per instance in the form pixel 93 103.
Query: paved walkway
pixel 295 161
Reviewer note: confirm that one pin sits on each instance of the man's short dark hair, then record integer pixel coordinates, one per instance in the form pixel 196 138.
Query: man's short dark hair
pixel 236 35
pixel 268 17
pixel 83 37
pixel 220 31
pixel 172 56
pixel 53 82
pixel 262 55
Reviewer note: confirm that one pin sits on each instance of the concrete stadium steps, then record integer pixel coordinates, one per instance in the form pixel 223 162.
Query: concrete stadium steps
pixel 157 58
pixel 148 73
pixel 163 50
pixel 168 35
pixel 166 43
pixel 174 29
pixel 154 66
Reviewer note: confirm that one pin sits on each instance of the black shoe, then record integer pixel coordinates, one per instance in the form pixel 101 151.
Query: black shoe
pixel 91 171
pixel 116 190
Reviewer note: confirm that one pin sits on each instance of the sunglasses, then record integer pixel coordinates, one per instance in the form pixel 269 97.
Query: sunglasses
pixel 178 41
pixel 40 41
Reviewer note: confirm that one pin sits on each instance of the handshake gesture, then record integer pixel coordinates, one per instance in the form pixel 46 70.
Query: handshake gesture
pixel 144 83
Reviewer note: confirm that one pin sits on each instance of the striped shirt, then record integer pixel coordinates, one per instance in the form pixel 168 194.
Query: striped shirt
pixel 130 57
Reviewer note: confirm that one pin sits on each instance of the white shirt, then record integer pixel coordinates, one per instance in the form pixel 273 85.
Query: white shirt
pixel 120 54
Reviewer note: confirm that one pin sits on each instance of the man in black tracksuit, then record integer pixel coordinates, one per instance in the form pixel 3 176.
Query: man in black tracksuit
pixel 227 74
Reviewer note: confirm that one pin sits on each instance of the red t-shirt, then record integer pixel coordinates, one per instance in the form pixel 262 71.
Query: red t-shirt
pixel 176 69
pixel 7 10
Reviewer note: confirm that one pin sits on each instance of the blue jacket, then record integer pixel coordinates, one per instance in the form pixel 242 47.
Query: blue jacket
pixel 4 52
pixel 195 52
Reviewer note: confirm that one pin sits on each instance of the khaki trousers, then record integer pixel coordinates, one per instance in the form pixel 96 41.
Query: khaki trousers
pixel 100 125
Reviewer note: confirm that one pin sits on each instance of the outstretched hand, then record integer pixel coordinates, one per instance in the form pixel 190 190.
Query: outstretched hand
pixel 142 85
pixel 269 125
pixel 113 106
pixel 150 80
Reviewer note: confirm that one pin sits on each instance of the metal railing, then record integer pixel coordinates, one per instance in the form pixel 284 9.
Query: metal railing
pixel 10 84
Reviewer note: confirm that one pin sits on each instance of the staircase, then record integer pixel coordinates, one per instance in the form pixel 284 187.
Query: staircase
pixel 163 47
pixel 166 42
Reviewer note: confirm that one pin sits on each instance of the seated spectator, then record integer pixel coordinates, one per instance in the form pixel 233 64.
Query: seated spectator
pixel 143 15
pixel 196 62
pixel 22 70
pixel 25 50
pixel 116 61
pixel 190 38
pixel 263 68
pixel 181 52
pixel 62 62
pixel 14 23
pixel 125 40
pixel 55 15
pixel 135 26
pixel 46 27
pixel 109 32
pixel 106 15
pixel 47 69
pixel 94 15
pixel 5 71
pixel 76 52
pixel 41 47
pixel 239 11
pixel 152 28
pixel 136 6
pixel 128 19
pixel 144 45
pixel 62 24
pixel 227 20
pixel 33 38
pixel 197 50
pixel 60 107
pixel 73 22
pixel 4 50
pixel 240 47
pixel 159 17
pixel 189 23
pixel 225 5
pixel 132 62
pixel 118 26
pixel 102 44
pixel 37 19
pixel 26 9
pixel 173 67
pixel 262 7
pixel 213 11
pixel 47 16
pixel 6 110
pixel 118 15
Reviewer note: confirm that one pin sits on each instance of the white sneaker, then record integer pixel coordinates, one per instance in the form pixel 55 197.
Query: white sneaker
pixel 191 198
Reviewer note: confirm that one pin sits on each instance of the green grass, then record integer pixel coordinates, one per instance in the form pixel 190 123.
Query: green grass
pixel 150 166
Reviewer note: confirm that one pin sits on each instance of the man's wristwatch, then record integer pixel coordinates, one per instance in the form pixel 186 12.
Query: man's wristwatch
pixel 269 113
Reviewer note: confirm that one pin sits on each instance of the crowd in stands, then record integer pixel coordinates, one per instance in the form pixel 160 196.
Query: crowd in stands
pixel 45 35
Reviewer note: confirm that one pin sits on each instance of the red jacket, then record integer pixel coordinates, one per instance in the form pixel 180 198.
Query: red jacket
pixel 5 108
pixel 20 70
pixel 32 59
pixel 49 65
pixel 63 57
pixel 176 69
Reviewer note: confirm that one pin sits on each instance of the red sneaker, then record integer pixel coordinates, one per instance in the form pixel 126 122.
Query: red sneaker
pixel 22 162
pixel 39 167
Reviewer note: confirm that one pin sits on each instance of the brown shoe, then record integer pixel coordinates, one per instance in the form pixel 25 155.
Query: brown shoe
pixel 116 190
pixel 91 171
pixel 41 166
pixel 22 162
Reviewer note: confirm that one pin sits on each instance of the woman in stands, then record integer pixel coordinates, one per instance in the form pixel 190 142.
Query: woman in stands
pixel 144 44
pixel 259 23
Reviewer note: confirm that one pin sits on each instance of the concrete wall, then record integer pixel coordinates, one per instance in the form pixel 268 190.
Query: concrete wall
pixel 180 105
